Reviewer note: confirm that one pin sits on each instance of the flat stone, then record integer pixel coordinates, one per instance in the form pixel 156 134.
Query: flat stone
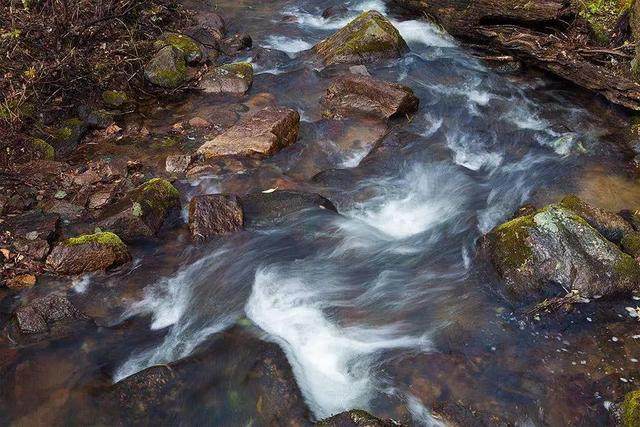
pixel 264 132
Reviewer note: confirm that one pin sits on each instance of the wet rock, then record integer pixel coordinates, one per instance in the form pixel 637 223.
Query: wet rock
pixel 41 314
pixel 214 214
pixel 115 99
pixel 178 163
pixel 199 122
pixel 190 48
pixel 361 95
pixel 231 46
pixel 536 254
pixel 359 69
pixel 234 79
pixel 143 210
pixel 99 119
pixel 270 208
pixel 356 418
pixel 368 38
pixel 30 233
pixel 335 11
pixel 87 253
pixel 630 409
pixel 21 281
pixel 630 244
pixel 613 227
pixel 167 68
pixel 264 132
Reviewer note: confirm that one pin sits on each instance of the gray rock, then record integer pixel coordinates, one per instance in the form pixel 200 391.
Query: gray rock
pixel 234 79
pixel 167 68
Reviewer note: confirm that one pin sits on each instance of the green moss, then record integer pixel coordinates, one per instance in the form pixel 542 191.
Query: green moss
pixel 191 49
pixel 239 69
pixel 45 150
pixel 510 240
pixel 69 131
pixel 157 194
pixel 103 238
pixel 115 98
pixel 630 409
pixel 627 268
pixel 572 202
pixel 603 16
pixel 631 244
pixel 167 68
pixel 172 78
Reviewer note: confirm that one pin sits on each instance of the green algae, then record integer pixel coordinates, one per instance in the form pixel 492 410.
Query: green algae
pixel 103 238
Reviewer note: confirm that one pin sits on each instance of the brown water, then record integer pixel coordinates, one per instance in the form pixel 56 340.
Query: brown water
pixel 387 307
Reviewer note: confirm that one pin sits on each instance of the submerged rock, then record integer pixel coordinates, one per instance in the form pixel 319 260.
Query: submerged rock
pixel 362 95
pixel 235 79
pixel 190 48
pixel 31 233
pixel 143 210
pixel 356 418
pixel 368 38
pixel 264 132
pixel 214 214
pixel 90 252
pixel 556 246
pixel 178 163
pixel 270 208
pixel 167 68
pixel 41 314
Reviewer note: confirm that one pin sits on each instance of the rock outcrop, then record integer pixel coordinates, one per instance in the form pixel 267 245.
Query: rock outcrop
pixel 361 95
pixel 368 38
pixel 264 132
pixel 142 211
pixel 87 253
pixel 555 247
pixel 214 214
pixel 233 79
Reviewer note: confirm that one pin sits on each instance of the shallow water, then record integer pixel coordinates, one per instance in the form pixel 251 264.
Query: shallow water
pixel 388 306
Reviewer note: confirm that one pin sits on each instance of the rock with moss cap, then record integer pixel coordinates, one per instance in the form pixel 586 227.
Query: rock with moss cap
pixel 356 418
pixel 69 134
pixel 190 48
pixel 554 250
pixel 42 149
pixel 603 16
pixel 612 226
pixel 89 252
pixel 167 68
pixel 368 38
pixel 115 98
pixel 630 409
pixel 234 79
pixel 143 211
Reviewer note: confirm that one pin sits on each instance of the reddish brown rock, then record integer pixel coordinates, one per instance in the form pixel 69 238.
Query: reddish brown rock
pixel 41 314
pixel 87 253
pixel 214 214
pixel 21 281
pixel 264 132
pixel 362 95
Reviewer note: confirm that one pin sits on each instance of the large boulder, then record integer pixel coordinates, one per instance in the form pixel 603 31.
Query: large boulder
pixel 90 252
pixel 234 79
pixel 142 211
pixel 43 314
pixel 361 95
pixel 270 208
pixel 167 68
pixel 264 132
pixel 214 214
pixel 368 38
pixel 554 247
pixel 356 418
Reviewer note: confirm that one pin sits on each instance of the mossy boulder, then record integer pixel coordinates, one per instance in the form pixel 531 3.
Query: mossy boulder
pixel 603 16
pixel 553 250
pixel 115 98
pixel 143 211
pixel 42 149
pixel 630 409
pixel 234 79
pixel 69 134
pixel 368 38
pixel 89 252
pixel 190 48
pixel 167 69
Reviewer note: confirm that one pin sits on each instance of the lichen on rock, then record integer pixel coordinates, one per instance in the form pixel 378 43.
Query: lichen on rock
pixel 167 69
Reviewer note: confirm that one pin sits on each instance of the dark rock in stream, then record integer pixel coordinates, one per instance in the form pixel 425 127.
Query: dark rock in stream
pixel 362 95
pixel 356 418
pixel 143 210
pixel 368 38
pixel 612 226
pixel 555 247
pixel 214 214
pixel 264 132
pixel 269 208
pixel 46 314
pixel 88 253
pixel 233 79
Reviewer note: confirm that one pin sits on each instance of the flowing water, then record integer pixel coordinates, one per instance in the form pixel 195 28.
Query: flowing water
pixel 387 307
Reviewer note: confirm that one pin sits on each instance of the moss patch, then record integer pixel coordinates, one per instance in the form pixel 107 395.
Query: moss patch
pixel 114 98
pixel 603 16
pixel 190 48
pixel 631 409
pixel 156 194
pixel 70 131
pixel 44 150
pixel 631 244
pixel 510 242
pixel 103 238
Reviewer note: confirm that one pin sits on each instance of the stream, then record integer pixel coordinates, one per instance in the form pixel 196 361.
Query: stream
pixel 388 306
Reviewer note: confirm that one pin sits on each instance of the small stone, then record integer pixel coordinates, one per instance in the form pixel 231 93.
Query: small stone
pixel 60 194
pixel 177 163
pixel 234 79
pixel 199 122
pixel 115 98
pixel 22 281
pixel 87 253
pixel 190 48
pixel 5 252
pixel 360 70
pixel 32 235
